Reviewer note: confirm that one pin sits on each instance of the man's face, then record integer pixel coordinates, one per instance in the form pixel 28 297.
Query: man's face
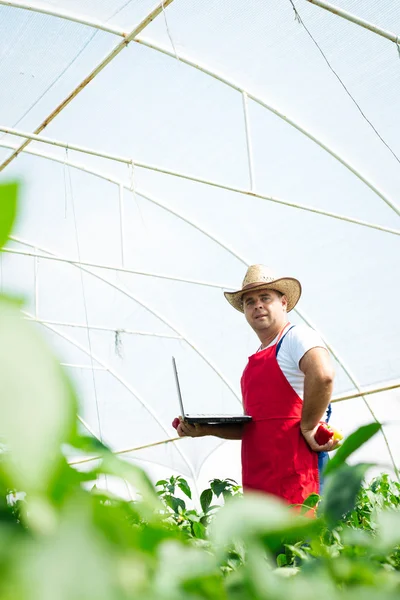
pixel 264 309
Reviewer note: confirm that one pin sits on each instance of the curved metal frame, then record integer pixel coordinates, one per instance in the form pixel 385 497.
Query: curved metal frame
pixel 120 379
pixel 278 113
pixel 64 259
pixel 354 19
pixel 116 50
pixel 66 15
pixel 191 178
pixel 145 305
pixel 99 328
pixel 134 36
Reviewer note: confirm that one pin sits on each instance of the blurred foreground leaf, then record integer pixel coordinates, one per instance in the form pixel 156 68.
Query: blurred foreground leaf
pixel 8 210
pixel 351 444
pixel 37 405
pixel 341 491
pixel 263 517
pixel 72 564
pixel 388 526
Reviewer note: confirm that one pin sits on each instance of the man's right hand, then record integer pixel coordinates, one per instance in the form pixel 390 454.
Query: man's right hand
pixel 226 432
pixel 185 429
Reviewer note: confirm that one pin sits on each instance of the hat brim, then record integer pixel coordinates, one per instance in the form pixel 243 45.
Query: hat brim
pixel 286 285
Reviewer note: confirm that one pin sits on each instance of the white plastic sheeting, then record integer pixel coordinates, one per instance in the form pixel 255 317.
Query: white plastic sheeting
pixel 133 260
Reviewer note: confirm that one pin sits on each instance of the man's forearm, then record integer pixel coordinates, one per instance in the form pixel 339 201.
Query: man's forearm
pixel 317 395
pixel 226 432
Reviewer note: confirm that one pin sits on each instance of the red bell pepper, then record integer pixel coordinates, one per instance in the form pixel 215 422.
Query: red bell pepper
pixel 323 434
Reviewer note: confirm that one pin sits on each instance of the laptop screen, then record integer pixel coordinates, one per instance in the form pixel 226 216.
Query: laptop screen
pixel 178 387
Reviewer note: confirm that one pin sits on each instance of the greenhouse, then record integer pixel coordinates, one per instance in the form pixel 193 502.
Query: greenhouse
pixel 161 165
pixel 162 149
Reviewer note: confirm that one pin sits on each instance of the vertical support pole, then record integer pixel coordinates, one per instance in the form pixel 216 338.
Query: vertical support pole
pixel 121 221
pixel 248 141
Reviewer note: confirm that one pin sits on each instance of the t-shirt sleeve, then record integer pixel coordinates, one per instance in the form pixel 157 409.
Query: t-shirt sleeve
pixel 301 339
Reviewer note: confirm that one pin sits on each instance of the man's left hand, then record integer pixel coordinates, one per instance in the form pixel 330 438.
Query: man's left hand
pixel 309 436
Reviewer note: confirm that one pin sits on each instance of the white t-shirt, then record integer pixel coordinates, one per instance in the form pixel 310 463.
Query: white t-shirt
pixel 295 344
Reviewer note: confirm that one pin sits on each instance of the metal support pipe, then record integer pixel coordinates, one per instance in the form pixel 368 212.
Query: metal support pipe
pixel 145 305
pixel 354 19
pixel 248 140
pixel 256 99
pixel 118 378
pixel 216 184
pixel 45 9
pixel 146 21
pixel 276 111
pixel 67 145
pixel 100 328
pixel 72 366
pixel 336 399
pixel 121 222
pixel 356 383
pixel 75 262
pixel 367 392
pixel 126 451
pixel 88 428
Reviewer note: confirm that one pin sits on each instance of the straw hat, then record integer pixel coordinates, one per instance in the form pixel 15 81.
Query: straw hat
pixel 262 277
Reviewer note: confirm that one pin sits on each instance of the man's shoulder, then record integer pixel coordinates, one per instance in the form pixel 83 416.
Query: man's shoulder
pixel 304 335
pixel 299 340
pixel 301 330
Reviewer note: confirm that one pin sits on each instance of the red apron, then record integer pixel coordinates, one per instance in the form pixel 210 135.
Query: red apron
pixel 276 459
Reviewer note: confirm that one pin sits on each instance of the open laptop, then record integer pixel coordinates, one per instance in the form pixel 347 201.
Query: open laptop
pixel 206 419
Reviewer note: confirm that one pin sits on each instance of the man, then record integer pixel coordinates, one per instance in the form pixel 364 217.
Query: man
pixel 286 389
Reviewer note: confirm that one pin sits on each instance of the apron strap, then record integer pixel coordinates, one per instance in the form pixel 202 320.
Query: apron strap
pixel 279 344
pixel 328 413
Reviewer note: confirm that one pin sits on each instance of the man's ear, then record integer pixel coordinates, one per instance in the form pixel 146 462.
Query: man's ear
pixel 284 302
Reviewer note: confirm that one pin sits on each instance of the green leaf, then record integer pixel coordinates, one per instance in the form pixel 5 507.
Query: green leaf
pixel 199 530
pixel 388 526
pixel 351 444
pixel 161 482
pixel 341 491
pixel 76 548
pixel 181 565
pixel 174 503
pixel 88 444
pixel 309 503
pixel 113 465
pixel 8 210
pixel 184 486
pixel 227 494
pixel 205 499
pixel 192 516
pixel 218 486
pixel 264 517
pixel 37 402
pixel 281 560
